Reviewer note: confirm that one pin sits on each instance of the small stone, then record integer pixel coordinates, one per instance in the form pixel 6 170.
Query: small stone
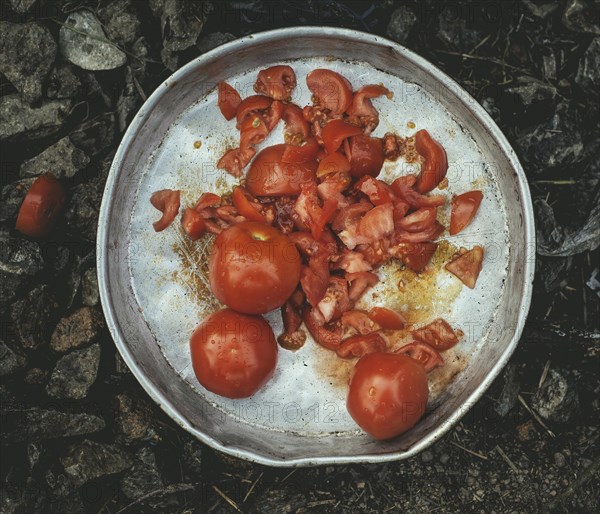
pixel 34 452
pixel 74 374
pixel 588 73
pixel 549 65
pixel 17 118
pixel 11 198
pixel 143 478
pixel 582 16
pixel 489 104
pixel 10 361
pixel 557 399
pixel 63 82
pixel 192 460
pixel 36 376
pixel 213 40
pixel 89 288
pixel 427 456
pixel 22 6
pixel 530 90
pixel 41 424
pixel 444 458
pixel 33 315
pixel 120 21
pixel 83 209
pixel 63 159
pixel 559 460
pixel 540 10
pixel 401 23
pixel 88 460
pixel 27 53
pixel 82 41
pixel 133 417
pixel 80 328
pixel 510 391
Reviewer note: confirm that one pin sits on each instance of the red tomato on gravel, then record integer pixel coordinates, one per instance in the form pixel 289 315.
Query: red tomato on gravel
pixel 233 354
pixel 41 207
pixel 253 267
pixel 388 394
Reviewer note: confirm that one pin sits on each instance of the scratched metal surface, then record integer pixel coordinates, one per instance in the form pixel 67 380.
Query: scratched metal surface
pixel 152 285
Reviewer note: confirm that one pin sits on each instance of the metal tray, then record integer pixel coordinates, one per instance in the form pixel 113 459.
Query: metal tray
pixel 153 287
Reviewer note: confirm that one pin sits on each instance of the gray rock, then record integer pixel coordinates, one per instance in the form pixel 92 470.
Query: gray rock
pixel 588 73
pixel 63 159
pixel 34 452
pixel 455 34
pixel 63 82
pixel 33 315
pixel 541 10
pixel 22 6
pixel 17 118
pixel 192 460
pixel 82 41
pixel 134 419
pixel 120 21
pixel 401 23
pixel 560 460
pixel 96 135
pixel 42 424
pixel 11 198
pixel 21 497
pixel 510 391
pixel 554 143
pixel 80 328
pixel 89 288
pixel 140 50
pixel 27 53
pixel 83 209
pixel 143 478
pixel 10 361
pixel 530 90
pixel 88 460
pixel 213 40
pixel 79 263
pixel 181 23
pixel 128 102
pixel 74 374
pixel 549 64
pixel 582 16
pixel 557 399
pixel 36 376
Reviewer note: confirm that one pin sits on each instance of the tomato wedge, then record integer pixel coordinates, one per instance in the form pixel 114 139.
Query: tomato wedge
pixel 357 346
pixel 41 207
pixel 334 133
pixel 251 104
pixel 193 223
pixel 435 164
pixel 438 334
pixel 332 90
pixel 310 211
pixel 278 82
pixel 416 256
pixel 167 202
pixel 387 318
pixel 377 191
pixel 403 188
pixel 303 153
pixel 464 208
pixel 296 126
pixel 424 354
pixel 419 220
pixel 207 200
pixel 247 205
pixel 366 155
pixel 467 266
pixel 228 101
pixel 333 163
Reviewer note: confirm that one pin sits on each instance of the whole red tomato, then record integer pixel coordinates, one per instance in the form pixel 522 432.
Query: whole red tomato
pixel 253 268
pixel 388 394
pixel 233 354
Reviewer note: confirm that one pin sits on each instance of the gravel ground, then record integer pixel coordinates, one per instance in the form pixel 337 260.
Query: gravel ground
pixel 79 435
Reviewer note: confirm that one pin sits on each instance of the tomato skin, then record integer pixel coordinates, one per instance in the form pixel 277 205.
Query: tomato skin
pixel 332 90
pixel 228 100
pixel 233 355
pixel 301 153
pixel 416 256
pixel 269 176
pixel 278 82
pixel 167 202
pixel 435 163
pixel 296 126
pixel 388 394
pixel 366 155
pixel 251 104
pixel 387 318
pixel 419 220
pixel 41 207
pixel 253 268
pixel 207 200
pixel 246 205
pixel 467 266
pixel 438 334
pixel 377 191
pixel 464 208
pixel 359 345
pixel 333 163
pixel 334 133
pixel 423 353
pixel 193 224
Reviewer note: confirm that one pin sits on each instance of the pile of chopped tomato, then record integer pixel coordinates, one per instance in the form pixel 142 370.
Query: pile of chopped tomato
pixel 320 188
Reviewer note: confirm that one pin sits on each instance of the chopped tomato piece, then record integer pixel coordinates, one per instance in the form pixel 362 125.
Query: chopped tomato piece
pixel 251 104
pixel 332 91
pixel 336 300
pixel 333 163
pixel 235 160
pixel 360 282
pixel 332 187
pixel 360 345
pixel 273 114
pixel 247 205
pixel 328 336
pixel 366 155
pixel 467 266
pixel 353 262
pixel 464 208
pixel 427 356
pixel 438 334
pixel 314 279
pixel 416 256
pixel 253 131
pixel 278 82
pixel 310 211
pixel 292 338
pixel 334 133
pixel 387 318
pixel 207 200
pixel 228 101
pixel 167 202
pixel 359 321
pixel 296 126
pixel 403 188
pixel 377 191
pixel 303 153
pixel 362 109
pixel 435 162
pixel 41 207
pixel 419 220
pixel 193 223
pixel 429 234
pixel 378 222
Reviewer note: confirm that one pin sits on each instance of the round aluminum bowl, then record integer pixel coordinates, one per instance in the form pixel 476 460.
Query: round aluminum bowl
pixel 153 287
